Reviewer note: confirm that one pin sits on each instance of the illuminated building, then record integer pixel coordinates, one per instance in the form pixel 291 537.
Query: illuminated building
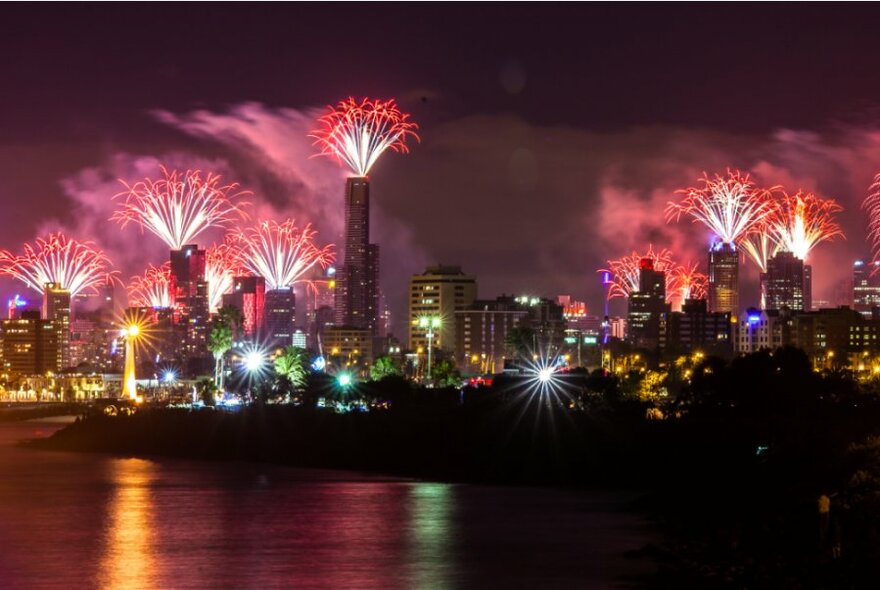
pixel 646 306
pixel 438 292
pixel 299 339
pixel 696 329
pixel 866 287
pixel 189 292
pixel 280 316
pixel 56 309
pixel 617 327
pixel 782 286
pixel 30 344
pixel 481 334
pixel 761 329
pixel 248 295
pixel 348 347
pixel 723 278
pixel 357 279
pixel 319 302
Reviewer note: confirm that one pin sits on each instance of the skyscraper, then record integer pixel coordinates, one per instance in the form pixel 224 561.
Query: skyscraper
pixel 56 309
pixel 357 279
pixel 723 278
pixel 866 286
pixel 189 291
pixel 646 306
pixel 280 316
pixel 783 283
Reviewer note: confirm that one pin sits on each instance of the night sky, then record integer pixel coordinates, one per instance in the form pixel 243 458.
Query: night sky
pixel 552 136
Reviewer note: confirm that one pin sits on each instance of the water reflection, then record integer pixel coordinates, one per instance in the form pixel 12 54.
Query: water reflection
pixel 127 561
pixel 431 556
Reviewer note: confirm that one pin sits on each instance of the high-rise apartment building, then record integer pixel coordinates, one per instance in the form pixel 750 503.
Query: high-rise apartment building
pixel 280 316
pixel 189 291
pixel 646 306
pixel 438 293
pixel 357 279
pixel 56 309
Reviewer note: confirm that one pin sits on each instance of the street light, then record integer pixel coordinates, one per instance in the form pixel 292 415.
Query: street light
pixel 253 361
pixel 430 323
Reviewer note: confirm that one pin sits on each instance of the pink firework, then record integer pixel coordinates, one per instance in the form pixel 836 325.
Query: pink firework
pixel 223 263
pixel 180 206
pixel 802 221
pixel 75 266
pixel 281 253
pixel 625 271
pixel 358 132
pixel 730 206
pixel 153 289
pixel 871 205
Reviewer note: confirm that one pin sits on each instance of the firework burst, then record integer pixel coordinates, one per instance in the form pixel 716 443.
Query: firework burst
pixel 223 263
pixel 357 133
pixel 281 253
pixel 730 206
pixel 153 289
pixel 75 266
pixel 759 246
pixel 625 271
pixel 802 221
pixel 686 283
pixel 180 206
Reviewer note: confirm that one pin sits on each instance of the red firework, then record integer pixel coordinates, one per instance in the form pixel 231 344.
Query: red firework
pixel 625 271
pixel 730 206
pixel 801 221
pixel 358 132
pixel 180 206
pixel 75 266
pixel 223 262
pixel 153 289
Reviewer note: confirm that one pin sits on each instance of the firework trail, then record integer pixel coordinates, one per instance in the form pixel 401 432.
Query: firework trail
pixel 730 206
pixel 359 132
pixel 75 266
pixel 281 253
pixel 687 283
pixel 802 221
pixel 223 263
pixel 153 289
pixel 625 271
pixel 759 246
pixel 180 206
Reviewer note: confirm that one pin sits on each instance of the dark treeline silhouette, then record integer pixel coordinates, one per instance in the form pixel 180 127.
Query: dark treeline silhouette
pixel 737 459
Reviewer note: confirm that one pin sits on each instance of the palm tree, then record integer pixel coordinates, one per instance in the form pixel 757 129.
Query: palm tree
pixel 291 365
pixel 382 367
pixel 219 342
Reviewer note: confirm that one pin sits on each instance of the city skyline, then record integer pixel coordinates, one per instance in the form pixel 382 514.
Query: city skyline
pixel 586 177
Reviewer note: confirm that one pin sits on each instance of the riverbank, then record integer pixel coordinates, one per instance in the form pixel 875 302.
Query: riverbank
pixel 735 492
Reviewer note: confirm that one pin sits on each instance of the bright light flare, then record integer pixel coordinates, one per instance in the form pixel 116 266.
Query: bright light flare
pixel 802 221
pixel 358 132
pixel 730 206
pixel 281 253
pixel 76 266
pixel 254 361
pixel 180 206
pixel 344 380
pixel 153 289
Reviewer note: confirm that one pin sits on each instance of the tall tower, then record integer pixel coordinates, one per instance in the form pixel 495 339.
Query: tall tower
pixel 56 309
pixel 280 316
pixel 783 283
pixel 189 291
pixel 723 278
pixel 357 280
pixel 646 305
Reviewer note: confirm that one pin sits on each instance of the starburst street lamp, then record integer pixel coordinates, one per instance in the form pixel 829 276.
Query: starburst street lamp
pixel 431 323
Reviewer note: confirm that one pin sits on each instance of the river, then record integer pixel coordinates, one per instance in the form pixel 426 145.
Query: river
pixel 70 520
